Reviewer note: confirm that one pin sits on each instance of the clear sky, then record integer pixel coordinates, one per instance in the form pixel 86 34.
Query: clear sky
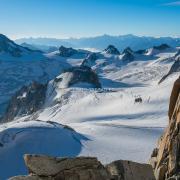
pixel 84 18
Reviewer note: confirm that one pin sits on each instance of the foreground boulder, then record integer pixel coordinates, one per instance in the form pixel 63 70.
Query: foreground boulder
pixel 80 168
pixel 166 157
pixel 127 170
pixel 83 168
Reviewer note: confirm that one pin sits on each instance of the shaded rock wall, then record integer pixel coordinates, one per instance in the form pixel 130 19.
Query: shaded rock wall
pixel 166 157
pixel 27 100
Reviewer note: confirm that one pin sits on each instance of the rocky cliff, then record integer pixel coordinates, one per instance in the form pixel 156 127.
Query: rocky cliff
pixel 175 68
pixel 83 168
pixel 27 100
pixel 166 157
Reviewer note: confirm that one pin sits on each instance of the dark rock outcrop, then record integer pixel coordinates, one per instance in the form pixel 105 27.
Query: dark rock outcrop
pixel 66 52
pixel 174 69
pixel 27 100
pixel 83 168
pixel 112 50
pixel 127 55
pixel 141 51
pixel 128 50
pixel 82 74
pixel 165 158
pixel 89 60
pixel 177 55
pixel 161 47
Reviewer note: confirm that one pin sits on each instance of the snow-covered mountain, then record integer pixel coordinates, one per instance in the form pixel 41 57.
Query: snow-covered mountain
pixel 94 93
pixel 20 66
pixel 101 42
pixel 11 50
pixel 42 48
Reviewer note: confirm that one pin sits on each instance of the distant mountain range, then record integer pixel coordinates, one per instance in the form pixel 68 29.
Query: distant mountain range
pixel 101 42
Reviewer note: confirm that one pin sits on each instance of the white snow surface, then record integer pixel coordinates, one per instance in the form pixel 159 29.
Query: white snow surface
pixel 107 122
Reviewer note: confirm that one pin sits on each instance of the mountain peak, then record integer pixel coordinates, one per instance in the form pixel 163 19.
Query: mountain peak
pixel 161 47
pixel 127 50
pixel 112 50
pixel 66 52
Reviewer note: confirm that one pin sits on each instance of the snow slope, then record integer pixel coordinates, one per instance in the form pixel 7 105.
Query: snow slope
pixel 16 73
pixel 110 124
pixel 35 137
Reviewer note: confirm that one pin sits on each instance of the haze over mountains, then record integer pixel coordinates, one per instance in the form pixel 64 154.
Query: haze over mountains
pixel 43 95
pixel 101 42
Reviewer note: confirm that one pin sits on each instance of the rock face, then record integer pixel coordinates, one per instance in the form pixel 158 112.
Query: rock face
pixel 161 47
pixel 127 55
pixel 127 170
pixel 83 168
pixel 166 157
pixel 127 50
pixel 75 75
pixel 66 52
pixel 89 60
pixel 27 100
pixel 80 168
pixel 141 51
pixel 112 50
pixel 174 69
pixel 177 55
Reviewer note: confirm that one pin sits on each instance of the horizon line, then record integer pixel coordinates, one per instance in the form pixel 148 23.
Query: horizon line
pixel 111 35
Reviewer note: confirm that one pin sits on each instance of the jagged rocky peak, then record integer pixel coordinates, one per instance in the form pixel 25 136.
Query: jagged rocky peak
pixel 175 68
pixel 66 52
pixel 165 159
pixel 161 47
pixel 112 50
pixel 141 51
pixel 177 55
pixel 83 168
pixel 127 55
pixel 82 75
pixel 89 60
pixel 26 101
pixel 128 50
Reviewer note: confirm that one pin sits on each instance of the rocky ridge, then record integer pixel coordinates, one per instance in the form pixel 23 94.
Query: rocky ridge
pixel 27 100
pixel 31 98
pixel 127 55
pixel 174 68
pixel 9 47
pixel 66 52
pixel 112 50
pixel 166 157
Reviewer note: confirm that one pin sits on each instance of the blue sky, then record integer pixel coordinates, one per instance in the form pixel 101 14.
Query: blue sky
pixel 84 18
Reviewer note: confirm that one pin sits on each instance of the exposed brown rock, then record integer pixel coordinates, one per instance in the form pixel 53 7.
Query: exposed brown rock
pixel 127 170
pixel 83 168
pixel 174 97
pixel 166 162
